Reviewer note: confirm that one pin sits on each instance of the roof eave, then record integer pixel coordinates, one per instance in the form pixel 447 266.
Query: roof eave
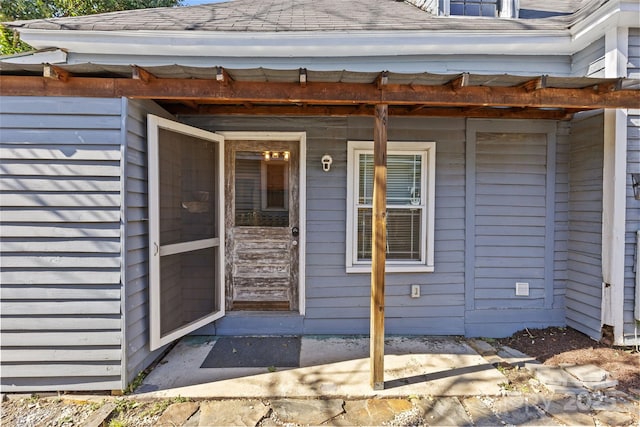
pixel 292 44
pixel 302 44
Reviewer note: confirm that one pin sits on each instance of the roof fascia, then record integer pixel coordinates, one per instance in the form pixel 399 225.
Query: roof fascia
pixel 301 44
pixel 613 14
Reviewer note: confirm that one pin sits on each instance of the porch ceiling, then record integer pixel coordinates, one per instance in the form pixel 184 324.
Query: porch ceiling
pixel 259 91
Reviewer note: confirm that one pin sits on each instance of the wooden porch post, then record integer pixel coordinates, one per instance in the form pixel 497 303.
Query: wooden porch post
pixel 378 246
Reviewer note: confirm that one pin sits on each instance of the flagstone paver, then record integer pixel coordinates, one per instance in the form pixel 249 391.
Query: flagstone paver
pixel 177 414
pixel 481 414
pixel 372 411
pixel 446 411
pixel 232 413
pixel 306 412
pixel 518 410
pixel 567 411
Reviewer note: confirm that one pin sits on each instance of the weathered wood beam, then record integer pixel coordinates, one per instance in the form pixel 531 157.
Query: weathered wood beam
pixel 54 72
pixel 382 79
pixel 367 110
pixel 459 82
pixel 223 77
pixel 378 247
pixel 318 93
pixel 302 77
pixel 193 106
pixel 609 87
pixel 139 73
pixel 535 84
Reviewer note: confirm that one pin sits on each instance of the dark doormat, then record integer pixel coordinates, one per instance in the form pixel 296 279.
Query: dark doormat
pixel 254 352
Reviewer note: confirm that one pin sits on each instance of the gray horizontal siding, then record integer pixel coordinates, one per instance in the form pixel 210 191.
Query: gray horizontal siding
pixel 136 250
pixel 558 65
pixel 510 215
pixel 561 216
pixel 60 296
pixel 516 183
pixel 584 290
pixel 589 61
pixel 338 302
pixel 633 205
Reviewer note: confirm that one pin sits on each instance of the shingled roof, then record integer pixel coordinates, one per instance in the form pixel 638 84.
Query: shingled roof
pixel 316 15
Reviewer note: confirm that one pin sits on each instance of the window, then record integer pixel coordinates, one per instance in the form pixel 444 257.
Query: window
pixel 410 206
pixel 473 7
pixel 484 8
pixel 262 189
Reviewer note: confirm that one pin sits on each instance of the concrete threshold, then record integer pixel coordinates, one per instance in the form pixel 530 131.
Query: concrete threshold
pixel 330 367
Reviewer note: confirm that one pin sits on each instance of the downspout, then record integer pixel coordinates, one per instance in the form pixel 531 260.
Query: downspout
pixel 614 191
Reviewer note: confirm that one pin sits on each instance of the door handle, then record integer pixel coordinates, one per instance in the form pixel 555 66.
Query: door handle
pixel 295 231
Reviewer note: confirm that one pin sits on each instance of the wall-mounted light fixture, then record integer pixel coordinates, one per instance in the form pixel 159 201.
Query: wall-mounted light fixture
pixel 635 184
pixel 326 162
pixel 276 155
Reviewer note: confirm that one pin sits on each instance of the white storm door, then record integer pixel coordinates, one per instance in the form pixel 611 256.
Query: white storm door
pixel 186 229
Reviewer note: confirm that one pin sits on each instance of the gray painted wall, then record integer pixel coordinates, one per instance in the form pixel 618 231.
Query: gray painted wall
pixel 584 289
pixel 61 289
pixel 136 246
pixel 558 65
pixel 510 226
pixel 633 205
pixel 589 61
pixel 339 303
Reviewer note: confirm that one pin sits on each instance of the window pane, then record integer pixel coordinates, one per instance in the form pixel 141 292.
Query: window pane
pixel 404 173
pixel 404 176
pixel 261 191
pixel 456 9
pixel 364 234
pixel 403 234
pixel 365 181
pixel 489 10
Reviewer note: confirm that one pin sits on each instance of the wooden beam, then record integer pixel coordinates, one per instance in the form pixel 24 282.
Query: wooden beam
pixel 223 77
pixel 535 84
pixel 367 110
pixel 302 77
pixel 459 82
pixel 54 72
pixel 609 87
pixel 318 93
pixel 139 73
pixel 382 80
pixel 378 247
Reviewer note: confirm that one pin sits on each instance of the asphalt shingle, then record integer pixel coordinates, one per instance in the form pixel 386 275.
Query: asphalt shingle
pixel 315 15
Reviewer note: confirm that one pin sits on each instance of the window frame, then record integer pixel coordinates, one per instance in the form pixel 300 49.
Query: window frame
pixel 428 151
pixel 505 9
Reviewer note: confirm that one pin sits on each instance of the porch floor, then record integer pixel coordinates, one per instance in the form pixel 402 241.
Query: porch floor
pixel 330 366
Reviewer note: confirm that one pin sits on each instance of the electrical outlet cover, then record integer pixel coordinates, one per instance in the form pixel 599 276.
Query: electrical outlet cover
pixel 522 289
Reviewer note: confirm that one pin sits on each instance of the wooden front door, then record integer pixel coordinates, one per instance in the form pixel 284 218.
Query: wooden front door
pixel 262 225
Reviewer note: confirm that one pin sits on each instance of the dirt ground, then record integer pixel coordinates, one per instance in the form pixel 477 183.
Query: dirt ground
pixel 555 346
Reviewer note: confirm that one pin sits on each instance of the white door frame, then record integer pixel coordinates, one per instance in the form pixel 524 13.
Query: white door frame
pixel 301 139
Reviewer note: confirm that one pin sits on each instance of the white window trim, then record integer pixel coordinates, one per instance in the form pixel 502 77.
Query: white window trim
pixel 427 264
